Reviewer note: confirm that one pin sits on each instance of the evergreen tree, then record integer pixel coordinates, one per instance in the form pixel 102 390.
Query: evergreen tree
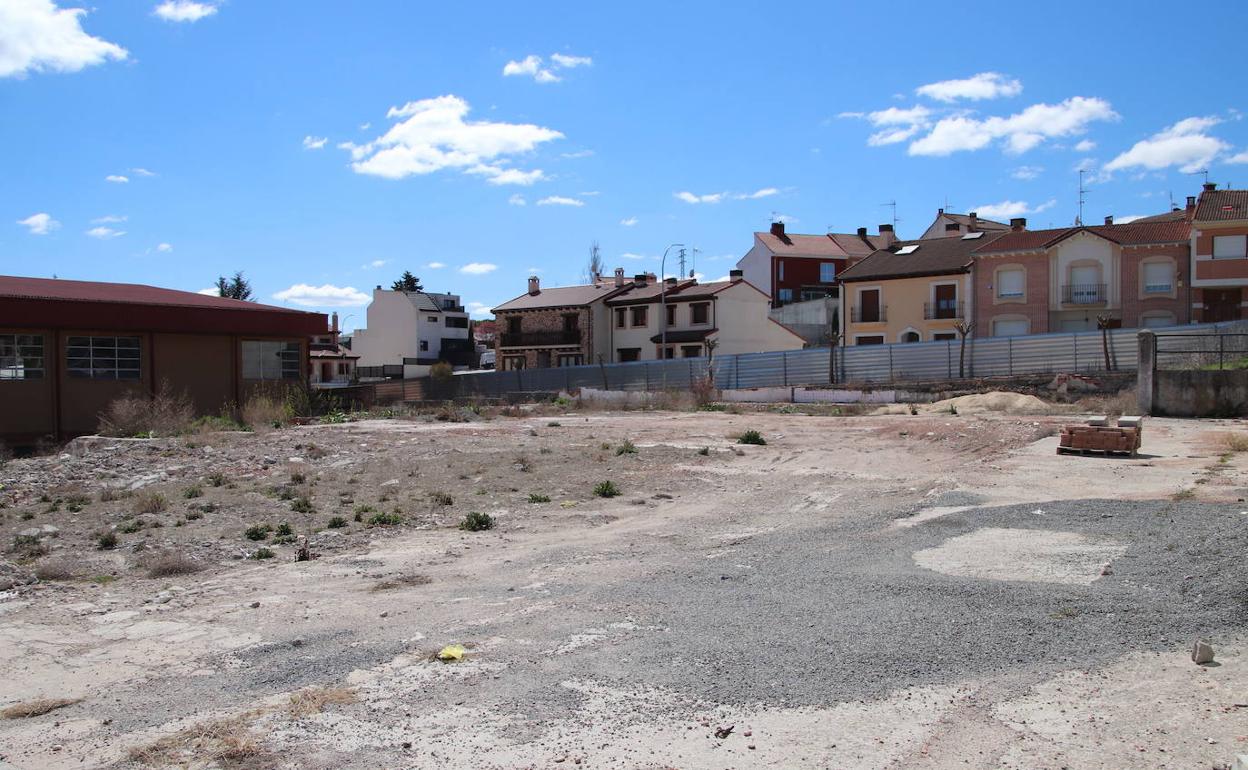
pixel 407 282
pixel 235 288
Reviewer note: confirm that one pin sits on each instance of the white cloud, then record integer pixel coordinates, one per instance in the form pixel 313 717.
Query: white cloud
pixel 314 142
pixel 326 295
pixel 1128 219
pixel 110 219
pixel 432 135
pixel 211 291
pixel 1008 209
pixel 689 197
pixel 1087 145
pixel 436 265
pixel 534 270
pixel 36 36
pixel 1239 157
pixel 895 123
pixel 765 192
pixel 560 200
pixel 1185 144
pixel 785 218
pixel 478 310
pixel 164 248
pixel 517 200
pixel 534 66
pixel 39 224
pixel 577 154
pixel 630 255
pixel 105 233
pixel 1027 173
pixel 985 85
pixel 1019 132
pixel 568 62
pixel 629 222
pixel 184 10
pixel 478 268
pixel 117 179
pixel 142 172
pixel 376 263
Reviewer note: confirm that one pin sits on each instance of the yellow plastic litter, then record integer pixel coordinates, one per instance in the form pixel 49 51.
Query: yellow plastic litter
pixel 451 652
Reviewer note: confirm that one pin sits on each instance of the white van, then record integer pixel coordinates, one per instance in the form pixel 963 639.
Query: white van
pixel 487 360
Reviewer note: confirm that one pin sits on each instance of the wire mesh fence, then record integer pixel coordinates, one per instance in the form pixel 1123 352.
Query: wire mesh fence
pixel 1216 351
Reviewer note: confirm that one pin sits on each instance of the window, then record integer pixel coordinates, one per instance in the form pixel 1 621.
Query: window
pixel 691 351
pixel 271 360
pixel 424 346
pixel 625 355
pixel 621 318
pixel 827 272
pixel 21 356
pixel 639 316
pixel 784 296
pixel 457 322
pixel 700 312
pixel 1230 246
pixel 1011 283
pixel 513 324
pixel 868 310
pixel 1158 278
pixel 870 339
pixel 433 319
pixel 669 352
pixel 571 360
pixel 103 358
pixel 910 337
pixel 939 336
pixel 1005 327
pixel 671 315
pixel 344 368
pixel 513 363
pixel 571 322
pixel 780 269
pixel 1150 321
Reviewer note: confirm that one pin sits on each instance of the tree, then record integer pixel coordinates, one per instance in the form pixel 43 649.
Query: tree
pixel 964 330
pixel 593 268
pixel 407 282
pixel 1104 322
pixel 235 288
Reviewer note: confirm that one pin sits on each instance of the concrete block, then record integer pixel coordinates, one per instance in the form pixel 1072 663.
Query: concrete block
pixel 1202 652
pixel 1241 762
pixel 1099 420
pixel 1130 422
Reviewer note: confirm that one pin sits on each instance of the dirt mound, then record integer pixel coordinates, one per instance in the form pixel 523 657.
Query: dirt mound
pixel 998 401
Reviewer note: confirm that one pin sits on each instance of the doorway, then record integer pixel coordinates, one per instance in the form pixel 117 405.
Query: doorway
pixel 1221 305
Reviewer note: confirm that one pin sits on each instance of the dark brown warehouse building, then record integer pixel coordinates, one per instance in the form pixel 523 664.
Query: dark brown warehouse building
pixel 68 348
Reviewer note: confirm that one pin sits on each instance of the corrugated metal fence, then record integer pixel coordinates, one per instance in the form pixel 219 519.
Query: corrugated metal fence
pixel 908 362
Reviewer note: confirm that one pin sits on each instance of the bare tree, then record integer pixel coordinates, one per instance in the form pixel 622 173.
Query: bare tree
pixel 1103 323
pixel 964 330
pixel 593 268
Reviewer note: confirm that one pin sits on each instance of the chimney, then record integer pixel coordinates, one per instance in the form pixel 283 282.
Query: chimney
pixel 1109 220
pixel 777 229
pixel 1210 186
pixel 952 227
pixel 862 232
pixel 671 281
pixel 619 277
pixel 1191 207
pixel 1018 223
pixel 378 287
pixel 333 323
pixel 736 275
pixel 974 225
pixel 886 232
pixel 940 212
pixel 535 286
pixel 639 280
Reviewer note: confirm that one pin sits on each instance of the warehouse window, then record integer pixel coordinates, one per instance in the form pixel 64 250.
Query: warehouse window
pixel 21 356
pixel 271 360
pixel 103 358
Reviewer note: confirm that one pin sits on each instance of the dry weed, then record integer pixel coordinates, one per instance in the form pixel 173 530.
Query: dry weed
pixel 168 564
pixel 140 415
pixel 229 742
pixel 37 707
pixel 262 411
pixel 402 581
pixel 1233 442
pixel 150 502
pixel 313 700
pixel 57 569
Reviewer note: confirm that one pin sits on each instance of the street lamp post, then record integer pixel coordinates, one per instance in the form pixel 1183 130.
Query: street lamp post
pixel 663 306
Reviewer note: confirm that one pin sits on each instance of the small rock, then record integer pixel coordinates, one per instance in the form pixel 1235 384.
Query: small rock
pixel 724 731
pixel 1107 570
pixel 297 643
pixel 254 605
pixel 1202 652
pixel 385 614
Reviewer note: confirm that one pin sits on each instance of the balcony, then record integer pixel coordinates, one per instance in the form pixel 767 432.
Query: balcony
pixel 540 339
pixel 1083 294
pixel 869 315
pixel 949 309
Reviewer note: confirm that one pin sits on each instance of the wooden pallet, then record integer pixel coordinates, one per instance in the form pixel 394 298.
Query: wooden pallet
pixel 1070 450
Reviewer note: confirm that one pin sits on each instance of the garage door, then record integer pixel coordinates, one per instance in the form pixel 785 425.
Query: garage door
pixel 1009 328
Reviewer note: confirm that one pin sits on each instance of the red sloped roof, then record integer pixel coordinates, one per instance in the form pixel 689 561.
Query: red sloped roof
pixel 798 245
pixel 132 293
pixel 1132 234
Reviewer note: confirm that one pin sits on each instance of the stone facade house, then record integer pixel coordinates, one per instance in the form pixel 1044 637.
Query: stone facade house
pixel 561 326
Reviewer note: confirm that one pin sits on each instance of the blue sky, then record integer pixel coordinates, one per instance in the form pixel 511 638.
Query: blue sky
pixel 323 151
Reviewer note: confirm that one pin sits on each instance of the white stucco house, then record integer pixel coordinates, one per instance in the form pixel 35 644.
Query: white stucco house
pixel 414 330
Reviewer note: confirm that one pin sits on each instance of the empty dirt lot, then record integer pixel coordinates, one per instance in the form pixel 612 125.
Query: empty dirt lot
pixel 891 591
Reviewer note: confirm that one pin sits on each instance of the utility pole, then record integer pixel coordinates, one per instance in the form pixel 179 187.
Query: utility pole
pixel 682 266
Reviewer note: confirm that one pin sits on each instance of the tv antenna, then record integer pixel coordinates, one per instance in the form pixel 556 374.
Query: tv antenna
pixel 1204 171
pixel 893 205
pixel 1082 191
pixel 693 266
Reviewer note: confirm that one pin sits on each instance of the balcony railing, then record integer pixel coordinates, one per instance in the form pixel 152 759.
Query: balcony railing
pixel 1083 294
pixel 944 309
pixel 860 315
pixel 539 339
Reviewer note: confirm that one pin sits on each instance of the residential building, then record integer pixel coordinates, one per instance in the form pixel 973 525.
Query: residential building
pixel 949 225
pixel 414 329
pixel 1219 255
pixel 789 267
pixel 69 348
pixel 693 319
pixel 914 291
pixel 561 326
pixel 333 363
pixel 1064 279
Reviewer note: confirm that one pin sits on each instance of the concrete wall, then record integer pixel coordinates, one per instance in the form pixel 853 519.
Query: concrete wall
pixel 756 267
pixel 1196 393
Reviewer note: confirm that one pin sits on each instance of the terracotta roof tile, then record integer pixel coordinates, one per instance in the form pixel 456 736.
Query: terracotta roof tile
pixel 1132 234
pixel 16 287
pixel 1222 205
pixel 795 245
pixel 561 296
pixel 934 256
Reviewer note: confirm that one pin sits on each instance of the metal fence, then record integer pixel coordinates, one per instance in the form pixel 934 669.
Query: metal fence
pixel 865 364
pixel 1210 351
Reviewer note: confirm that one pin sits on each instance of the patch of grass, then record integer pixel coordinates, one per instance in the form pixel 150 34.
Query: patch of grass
pixel 193 491
pixel 284 529
pixel 1235 442
pixel 358 517
pixel 605 446
pixel 150 502
pixel 27 515
pixel 626 448
pixel 216 479
pixel 402 581
pixel 258 532
pixel 131 526
pixel 1064 613
pixel 36 708
pixel 477 522
pixel 139 415
pixel 106 541
pixel 75 503
pixel 522 464
pixel 1183 494
pixel 538 498
pixel 337 522
pixel 554 424
pixel 298 478
pixel 607 489
pixel 109 494
pixel 227 743
pixel 441 498
pixel 383 519
pixel 263 553
pixel 751 437
pixel 102 580
pixel 313 700
pixel 169 563
pixel 302 505
pixel 362 509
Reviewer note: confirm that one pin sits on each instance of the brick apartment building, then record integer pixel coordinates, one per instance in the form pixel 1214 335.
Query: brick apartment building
pixel 791 267
pixel 1219 255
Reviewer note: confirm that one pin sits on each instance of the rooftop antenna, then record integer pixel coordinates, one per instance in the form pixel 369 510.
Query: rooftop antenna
pixel 893 204
pixel 1171 194
pixel 693 266
pixel 1082 192
pixel 1204 171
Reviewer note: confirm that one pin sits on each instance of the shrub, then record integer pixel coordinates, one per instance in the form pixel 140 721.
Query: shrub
pixel 106 541
pixel 76 502
pixel 298 478
pixel 337 522
pixel 55 570
pixel 477 522
pixel 363 508
pixel 554 424
pixel 627 448
pixel 607 489
pixel 1235 442
pixel 383 519
pixel 262 411
pixel 193 491
pixel 109 494
pixel 150 502
pixel 213 423
pixel 140 415
pixel 263 553
pixel 258 532
pixel 441 498
pixel 168 564
pixel 284 529
pixel 130 527
pixel 536 498
pixel 703 390
pixel 358 516
pixel 216 479
pixel 751 437
pixel 302 505
pixel 441 373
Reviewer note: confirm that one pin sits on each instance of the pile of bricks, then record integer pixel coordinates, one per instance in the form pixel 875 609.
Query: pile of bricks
pixel 1097 436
